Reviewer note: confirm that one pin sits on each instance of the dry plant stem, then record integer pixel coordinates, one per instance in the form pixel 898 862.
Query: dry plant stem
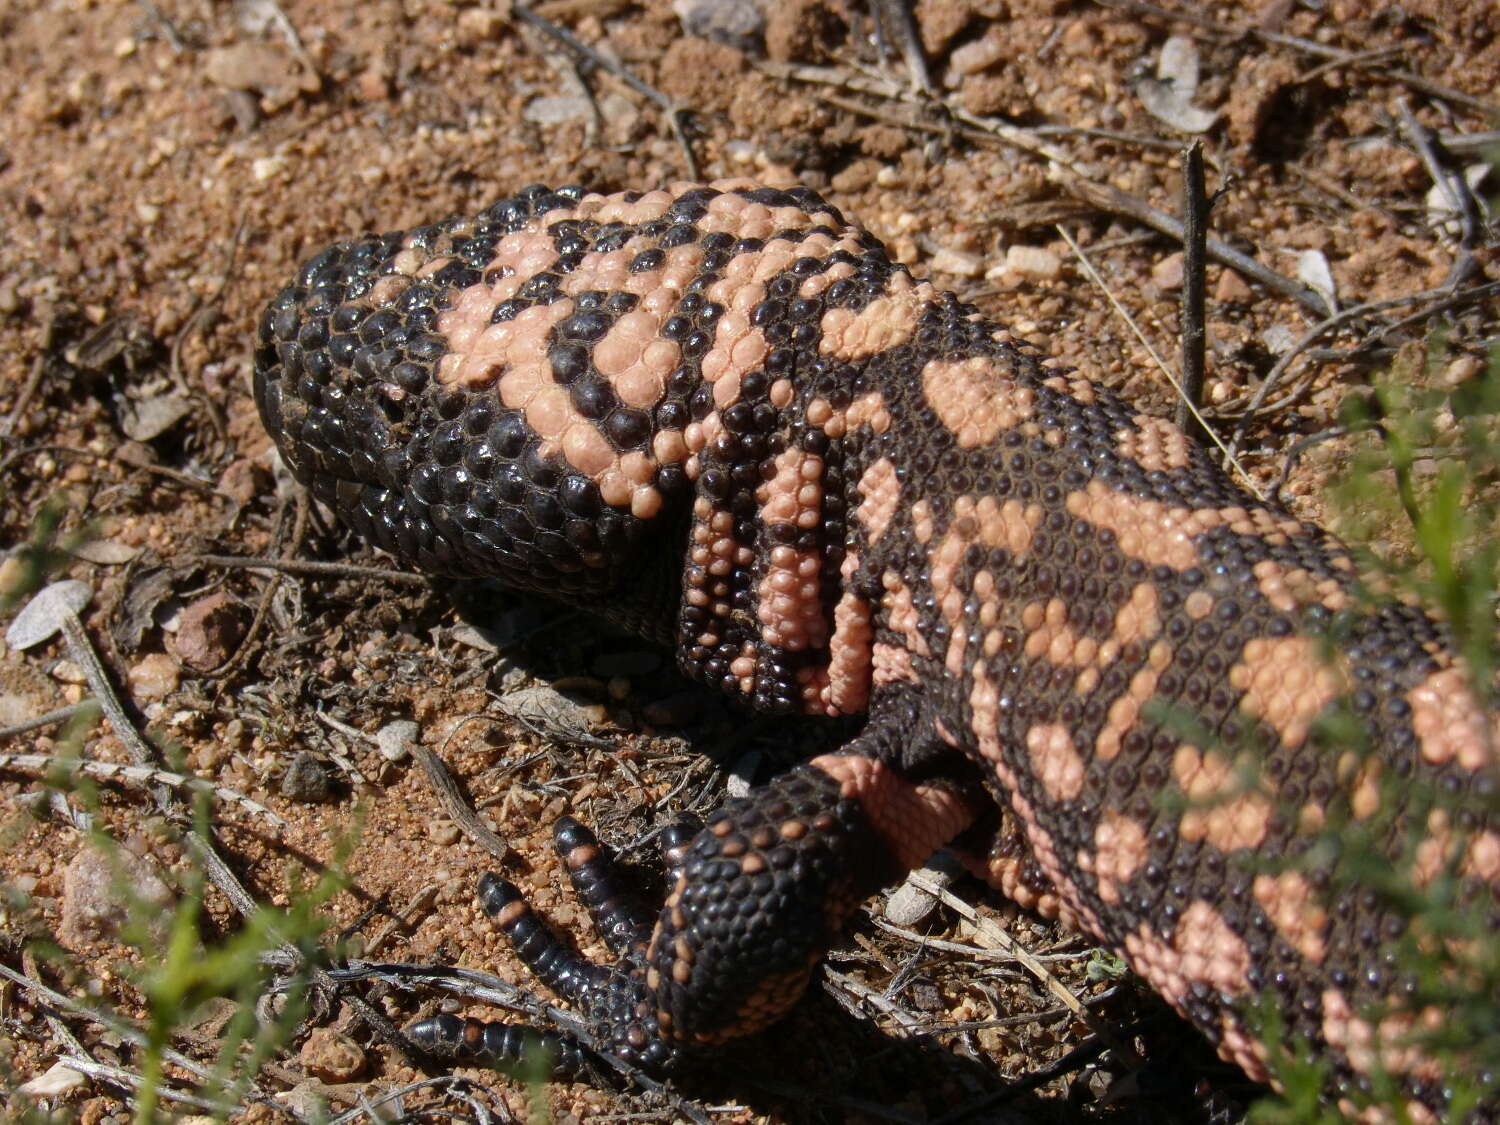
pixel 1161 364
pixel 468 984
pixel 461 1088
pixel 203 305
pixel 1076 178
pixel 1294 454
pixel 263 607
pixel 912 122
pixel 310 568
pixel 1307 46
pixel 1455 188
pixel 50 718
pixel 1442 299
pixel 458 809
pixel 1194 247
pixel 145 775
pixel 127 1032
pixel 129 1080
pixel 1114 201
pixel 994 956
pixel 860 993
pixel 200 839
pixel 987 933
pixel 54 1021
pixel 168 28
pixel 82 653
pixel 673 112
pixel 119 456
pixel 895 18
pixel 34 380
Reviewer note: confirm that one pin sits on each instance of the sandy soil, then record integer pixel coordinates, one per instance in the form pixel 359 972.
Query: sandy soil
pixel 164 167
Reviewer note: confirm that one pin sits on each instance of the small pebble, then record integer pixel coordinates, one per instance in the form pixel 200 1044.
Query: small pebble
pixel 209 630
pixel 331 1056
pixel 957 262
pixel 1033 263
pixel 1231 289
pixel 153 676
pixel 307 779
pixel 1168 273
pixel 100 891
pixel 394 740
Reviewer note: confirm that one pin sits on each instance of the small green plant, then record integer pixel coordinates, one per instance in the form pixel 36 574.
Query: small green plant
pixel 183 973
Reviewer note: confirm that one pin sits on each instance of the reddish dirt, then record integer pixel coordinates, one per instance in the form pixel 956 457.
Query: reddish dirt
pixel 163 168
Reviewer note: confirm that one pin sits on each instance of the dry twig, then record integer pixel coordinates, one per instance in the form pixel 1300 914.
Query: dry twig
pixel 582 50
pixel 1357 60
pixel 144 775
pixel 1194 332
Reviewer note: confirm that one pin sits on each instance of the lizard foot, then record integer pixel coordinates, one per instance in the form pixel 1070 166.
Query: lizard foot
pixel 756 896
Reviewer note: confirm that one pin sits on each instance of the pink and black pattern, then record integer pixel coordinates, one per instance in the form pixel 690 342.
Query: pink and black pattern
pixel 724 418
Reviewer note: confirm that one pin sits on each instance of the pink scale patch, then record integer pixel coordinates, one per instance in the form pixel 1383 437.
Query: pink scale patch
pixel 1203 949
pixel 1120 850
pixel 851 651
pixel 914 820
pixel 901 616
pixel 881 492
pixel 1224 808
pixel 892 664
pixel 1449 723
pixel 976 398
pixel 790 608
pixel 1392 1045
pixel 1286 683
pixel 1164 536
pixel 886 322
pixel 1155 444
pixel 1055 761
pixel 1293 906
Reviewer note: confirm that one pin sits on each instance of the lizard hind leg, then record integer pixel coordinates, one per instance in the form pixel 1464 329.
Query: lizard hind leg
pixel 755 899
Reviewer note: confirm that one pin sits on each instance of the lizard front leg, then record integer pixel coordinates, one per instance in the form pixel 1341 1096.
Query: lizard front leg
pixel 758 896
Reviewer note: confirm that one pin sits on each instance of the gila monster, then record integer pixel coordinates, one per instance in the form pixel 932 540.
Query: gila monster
pixel 722 417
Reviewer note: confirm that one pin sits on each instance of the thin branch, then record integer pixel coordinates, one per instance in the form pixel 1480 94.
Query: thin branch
pixel 1455 188
pixel 1307 46
pixel 1075 177
pixel 988 934
pixel 202 305
pixel 895 18
pixel 117 456
pixel 581 49
pixel 1194 246
pixel 1111 199
pixel 458 809
pixel 263 606
pixel 145 775
pixel 126 1031
pixel 34 380
pixel 134 1081
pixel 1161 364
pixel 50 718
pixel 313 569
pixel 1442 299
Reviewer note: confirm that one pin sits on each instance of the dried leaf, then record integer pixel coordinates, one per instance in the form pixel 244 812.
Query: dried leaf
pixel 43 615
